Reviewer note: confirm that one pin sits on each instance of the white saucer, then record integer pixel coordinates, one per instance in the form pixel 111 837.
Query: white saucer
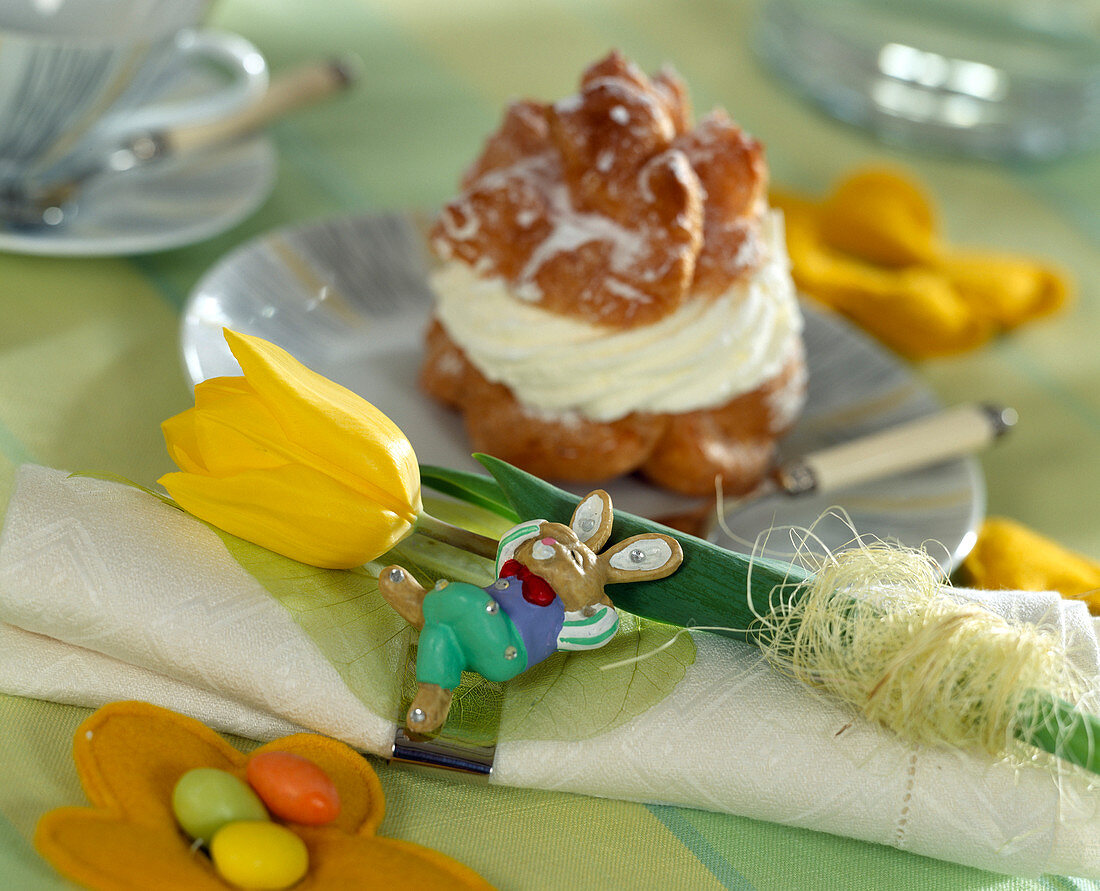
pixel 349 297
pixel 166 205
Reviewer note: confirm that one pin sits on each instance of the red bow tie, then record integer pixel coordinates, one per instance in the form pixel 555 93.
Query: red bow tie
pixel 536 589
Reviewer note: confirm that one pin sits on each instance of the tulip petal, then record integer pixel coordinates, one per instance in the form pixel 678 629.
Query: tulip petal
pixel 216 388
pixel 233 430
pixel 180 435
pixel 293 510
pixel 236 433
pixel 351 440
pixel 183 446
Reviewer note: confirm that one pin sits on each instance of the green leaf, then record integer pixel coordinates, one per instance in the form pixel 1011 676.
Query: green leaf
pixel 566 697
pixel 713 588
pixel 474 718
pixel 572 695
pixel 343 612
pixel 474 488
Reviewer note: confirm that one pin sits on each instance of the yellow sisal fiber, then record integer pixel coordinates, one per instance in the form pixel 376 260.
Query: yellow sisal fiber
pixel 876 628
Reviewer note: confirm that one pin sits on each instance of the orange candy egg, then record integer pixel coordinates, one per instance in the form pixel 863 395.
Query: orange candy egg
pixel 293 788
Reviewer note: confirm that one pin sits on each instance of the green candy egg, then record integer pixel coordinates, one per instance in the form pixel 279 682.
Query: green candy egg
pixel 205 799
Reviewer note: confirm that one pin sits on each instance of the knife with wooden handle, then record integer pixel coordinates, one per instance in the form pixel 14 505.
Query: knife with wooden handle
pixel 944 436
pixel 953 433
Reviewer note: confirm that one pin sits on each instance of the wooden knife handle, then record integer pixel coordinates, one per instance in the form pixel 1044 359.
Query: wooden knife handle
pixel 295 89
pixel 953 433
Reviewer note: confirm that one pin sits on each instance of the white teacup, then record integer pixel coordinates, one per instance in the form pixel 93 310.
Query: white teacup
pixel 77 73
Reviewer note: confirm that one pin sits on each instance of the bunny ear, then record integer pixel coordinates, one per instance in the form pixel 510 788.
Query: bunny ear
pixel 642 557
pixel 592 519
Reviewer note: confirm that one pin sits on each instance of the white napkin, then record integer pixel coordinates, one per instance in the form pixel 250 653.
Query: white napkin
pixel 103 567
pixel 109 594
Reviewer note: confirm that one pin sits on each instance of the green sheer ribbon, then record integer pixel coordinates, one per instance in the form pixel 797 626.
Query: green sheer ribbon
pixel 568 696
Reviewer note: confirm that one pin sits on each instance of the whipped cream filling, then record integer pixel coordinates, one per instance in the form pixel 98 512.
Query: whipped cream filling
pixel 701 356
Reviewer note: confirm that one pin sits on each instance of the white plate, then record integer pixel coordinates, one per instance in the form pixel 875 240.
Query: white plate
pixel 166 205
pixel 349 298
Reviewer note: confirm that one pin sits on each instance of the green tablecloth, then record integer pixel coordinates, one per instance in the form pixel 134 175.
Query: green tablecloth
pixel 89 367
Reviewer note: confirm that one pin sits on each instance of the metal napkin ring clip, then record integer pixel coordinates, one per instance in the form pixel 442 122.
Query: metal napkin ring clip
pixel 440 750
pixel 443 753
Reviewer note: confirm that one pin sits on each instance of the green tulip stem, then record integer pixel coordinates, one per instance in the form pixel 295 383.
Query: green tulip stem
pixel 1056 726
pixel 463 539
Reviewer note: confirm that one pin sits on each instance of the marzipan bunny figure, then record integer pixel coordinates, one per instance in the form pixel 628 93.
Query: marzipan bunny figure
pixel 549 596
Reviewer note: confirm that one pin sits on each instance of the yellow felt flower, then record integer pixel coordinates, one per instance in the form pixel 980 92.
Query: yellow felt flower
pixel 291 461
pixel 1010 556
pixel 129 756
pixel 871 251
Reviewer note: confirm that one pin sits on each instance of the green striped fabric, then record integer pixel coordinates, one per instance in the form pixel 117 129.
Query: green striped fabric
pixel 89 367
pixel 513 538
pixel 588 632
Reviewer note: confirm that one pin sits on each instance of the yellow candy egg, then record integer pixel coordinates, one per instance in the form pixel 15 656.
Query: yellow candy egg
pixel 259 856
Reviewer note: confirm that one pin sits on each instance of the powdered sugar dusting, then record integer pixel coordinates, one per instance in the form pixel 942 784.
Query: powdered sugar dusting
pixel 459 230
pixel 450 364
pixel 677 162
pixel 574 228
pixel 528 292
pixel 442 248
pixel 569 419
pixel 617 286
pixel 595 207
pixel 655 113
pixel 568 105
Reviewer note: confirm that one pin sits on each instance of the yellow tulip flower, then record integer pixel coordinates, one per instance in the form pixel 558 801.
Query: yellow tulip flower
pixel 291 461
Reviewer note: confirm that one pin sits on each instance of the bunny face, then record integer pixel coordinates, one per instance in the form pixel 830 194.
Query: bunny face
pixel 566 563
pixel 566 556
